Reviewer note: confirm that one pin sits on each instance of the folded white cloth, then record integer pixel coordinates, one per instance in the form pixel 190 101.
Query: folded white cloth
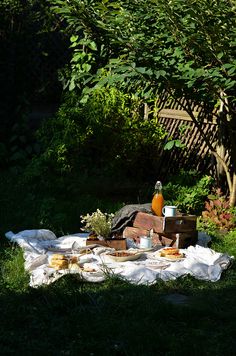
pixel 201 262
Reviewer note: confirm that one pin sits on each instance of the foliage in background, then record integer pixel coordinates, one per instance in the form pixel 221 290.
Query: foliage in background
pixel 187 192
pixel 106 135
pixel 171 143
pixel 100 130
pixel 186 48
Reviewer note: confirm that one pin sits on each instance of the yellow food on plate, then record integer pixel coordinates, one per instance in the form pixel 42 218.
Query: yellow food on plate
pixel 169 251
pixel 58 256
pixel 59 265
pixel 176 256
pixel 59 261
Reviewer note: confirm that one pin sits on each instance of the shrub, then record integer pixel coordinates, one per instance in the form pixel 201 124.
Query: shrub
pixel 107 134
pixel 188 195
pixel 218 214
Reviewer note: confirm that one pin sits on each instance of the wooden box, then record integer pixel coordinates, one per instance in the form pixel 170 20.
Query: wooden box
pixel 175 224
pixel 135 233
pixel 179 240
pixel 118 244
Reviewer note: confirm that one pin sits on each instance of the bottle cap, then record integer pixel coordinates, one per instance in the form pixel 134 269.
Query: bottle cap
pixel 158 185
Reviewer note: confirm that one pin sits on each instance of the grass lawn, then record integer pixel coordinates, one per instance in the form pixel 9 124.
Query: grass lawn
pixel 71 317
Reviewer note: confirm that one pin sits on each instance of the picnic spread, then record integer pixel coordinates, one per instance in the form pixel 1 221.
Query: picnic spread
pixel 141 243
pixel 95 262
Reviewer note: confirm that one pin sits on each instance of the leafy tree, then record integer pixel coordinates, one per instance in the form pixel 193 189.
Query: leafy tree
pixel 185 47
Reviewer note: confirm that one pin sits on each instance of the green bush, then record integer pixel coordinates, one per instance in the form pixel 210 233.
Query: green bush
pixel 107 136
pixel 188 192
pixel 218 214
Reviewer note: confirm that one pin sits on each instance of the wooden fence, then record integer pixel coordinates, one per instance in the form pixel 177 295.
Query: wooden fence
pixel 195 155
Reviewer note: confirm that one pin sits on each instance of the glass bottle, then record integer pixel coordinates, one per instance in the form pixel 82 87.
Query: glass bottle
pixel 157 200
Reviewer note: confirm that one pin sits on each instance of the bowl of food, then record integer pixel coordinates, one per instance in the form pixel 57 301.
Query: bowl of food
pixel 122 256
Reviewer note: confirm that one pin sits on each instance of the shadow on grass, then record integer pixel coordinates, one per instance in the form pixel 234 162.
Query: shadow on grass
pixel 71 317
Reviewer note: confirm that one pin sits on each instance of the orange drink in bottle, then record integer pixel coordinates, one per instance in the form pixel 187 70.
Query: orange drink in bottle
pixel 157 200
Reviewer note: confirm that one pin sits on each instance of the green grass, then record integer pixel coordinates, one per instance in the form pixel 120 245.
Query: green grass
pixel 72 317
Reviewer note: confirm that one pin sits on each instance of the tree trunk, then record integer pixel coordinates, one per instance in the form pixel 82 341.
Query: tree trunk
pixel 220 147
pixel 146 111
pixel 232 198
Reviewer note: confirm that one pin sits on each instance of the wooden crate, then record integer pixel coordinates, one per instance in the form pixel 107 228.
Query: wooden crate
pixel 118 244
pixel 175 224
pixel 180 240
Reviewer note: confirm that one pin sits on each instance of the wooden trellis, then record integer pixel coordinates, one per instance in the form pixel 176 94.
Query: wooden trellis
pixel 179 125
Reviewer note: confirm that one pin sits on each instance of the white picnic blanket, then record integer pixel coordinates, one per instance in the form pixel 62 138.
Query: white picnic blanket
pixel 201 262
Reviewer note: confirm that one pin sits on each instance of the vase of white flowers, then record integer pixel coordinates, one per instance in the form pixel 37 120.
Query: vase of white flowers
pixel 99 225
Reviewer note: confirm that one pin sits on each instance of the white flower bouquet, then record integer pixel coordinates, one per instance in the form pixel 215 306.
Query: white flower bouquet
pixel 98 223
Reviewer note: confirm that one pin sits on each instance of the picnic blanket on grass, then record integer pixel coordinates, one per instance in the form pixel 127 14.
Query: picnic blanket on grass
pixel 39 245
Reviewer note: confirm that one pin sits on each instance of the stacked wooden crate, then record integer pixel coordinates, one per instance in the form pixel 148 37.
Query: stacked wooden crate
pixel 178 231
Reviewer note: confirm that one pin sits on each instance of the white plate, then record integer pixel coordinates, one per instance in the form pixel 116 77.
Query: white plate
pixel 146 249
pixel 130 257
pixel 161 258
